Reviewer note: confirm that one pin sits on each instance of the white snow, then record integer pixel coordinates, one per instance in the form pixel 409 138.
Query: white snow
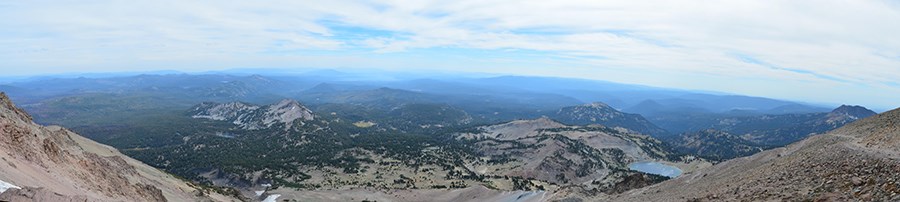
pixel 271 198
pixel 5 185
pixel 259 193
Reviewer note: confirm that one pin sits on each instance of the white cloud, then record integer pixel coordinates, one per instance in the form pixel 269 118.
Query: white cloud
pixel 827 42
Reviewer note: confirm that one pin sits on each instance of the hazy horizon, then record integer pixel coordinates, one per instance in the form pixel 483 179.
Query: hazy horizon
pixel 384 75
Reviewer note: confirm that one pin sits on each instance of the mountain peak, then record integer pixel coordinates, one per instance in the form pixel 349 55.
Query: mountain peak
pixel 286 111
pixel 848 113
pixel 854 110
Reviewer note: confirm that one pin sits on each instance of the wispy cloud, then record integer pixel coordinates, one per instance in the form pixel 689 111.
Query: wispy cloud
pixel 829 43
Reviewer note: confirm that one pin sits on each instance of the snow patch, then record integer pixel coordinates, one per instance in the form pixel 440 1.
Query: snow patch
pixel 5 185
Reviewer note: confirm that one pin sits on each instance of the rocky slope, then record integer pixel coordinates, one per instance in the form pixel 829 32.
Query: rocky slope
pixel 55 164
pixel 858 162
pixel 733 137
pixel 284 114
pixel 600 113
pixel 846 114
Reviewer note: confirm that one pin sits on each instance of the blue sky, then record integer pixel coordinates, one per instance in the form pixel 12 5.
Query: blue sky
pixel 817 51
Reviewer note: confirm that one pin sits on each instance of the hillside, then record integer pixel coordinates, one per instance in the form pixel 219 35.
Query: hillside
pixel 730 137
pixel 856 162
pixel 600 113
pixel 53 163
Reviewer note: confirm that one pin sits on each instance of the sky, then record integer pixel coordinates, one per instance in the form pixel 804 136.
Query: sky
pixel 823 51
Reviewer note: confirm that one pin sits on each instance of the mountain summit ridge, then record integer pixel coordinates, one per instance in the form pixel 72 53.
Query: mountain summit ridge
pixel 848 113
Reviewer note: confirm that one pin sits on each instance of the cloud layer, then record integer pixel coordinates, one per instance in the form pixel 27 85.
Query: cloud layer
pixel 785 49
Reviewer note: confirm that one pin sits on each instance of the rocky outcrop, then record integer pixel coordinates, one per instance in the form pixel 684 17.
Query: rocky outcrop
pixel 55 164
pixel 284 114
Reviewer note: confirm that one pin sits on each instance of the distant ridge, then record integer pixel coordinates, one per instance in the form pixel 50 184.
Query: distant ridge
pixel 848 113
pixel 602 114
pixel 55 164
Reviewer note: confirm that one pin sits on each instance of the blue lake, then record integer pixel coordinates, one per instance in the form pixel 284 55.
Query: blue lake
pixel 655 168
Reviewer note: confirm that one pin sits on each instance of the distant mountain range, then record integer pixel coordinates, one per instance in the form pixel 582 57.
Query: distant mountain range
pixel 532 92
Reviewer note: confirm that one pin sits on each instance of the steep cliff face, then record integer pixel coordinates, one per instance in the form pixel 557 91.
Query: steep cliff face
pixel 55 164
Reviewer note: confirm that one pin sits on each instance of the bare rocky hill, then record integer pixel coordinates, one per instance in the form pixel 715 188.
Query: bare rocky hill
pixel 284 113
pixel 858 162
pixel 54 164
